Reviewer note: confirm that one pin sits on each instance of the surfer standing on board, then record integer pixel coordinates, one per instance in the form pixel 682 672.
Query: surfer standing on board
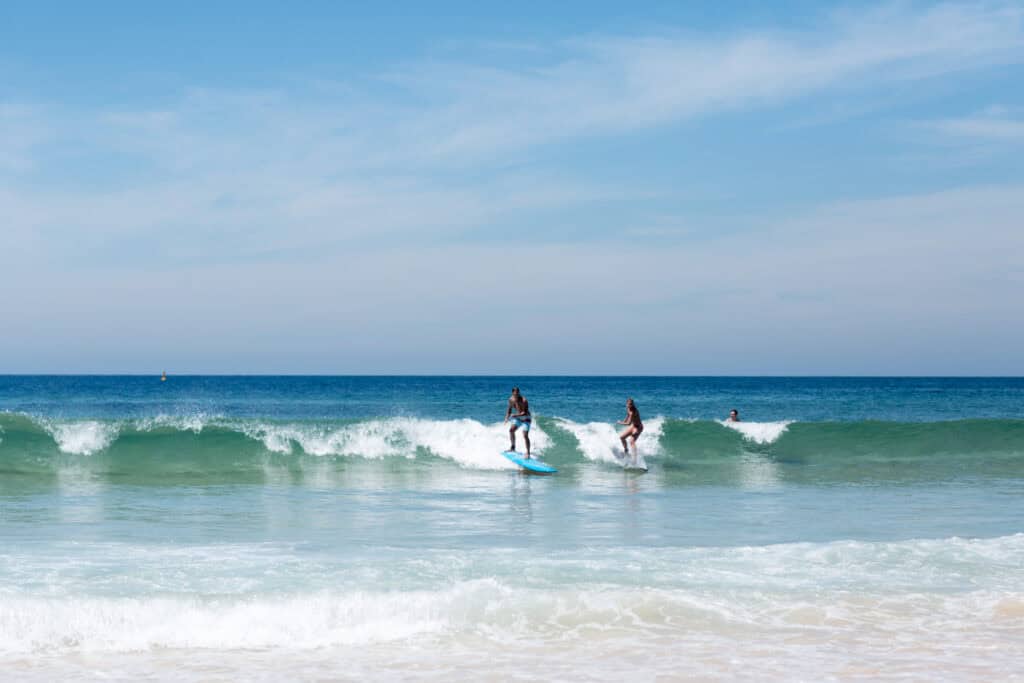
pixel 633 431
pixel 518 412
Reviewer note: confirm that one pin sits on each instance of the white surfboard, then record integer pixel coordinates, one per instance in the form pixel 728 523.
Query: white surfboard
pixel 631 465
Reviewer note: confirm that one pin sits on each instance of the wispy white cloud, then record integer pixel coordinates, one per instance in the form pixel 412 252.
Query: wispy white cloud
pixel 302 165
pixel 605 85
pixel 460 112
pixel 996 123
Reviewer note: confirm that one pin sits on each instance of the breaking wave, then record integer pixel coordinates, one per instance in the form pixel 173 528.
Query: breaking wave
pixel 199 442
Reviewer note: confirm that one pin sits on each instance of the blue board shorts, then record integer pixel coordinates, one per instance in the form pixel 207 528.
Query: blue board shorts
pixel 521 423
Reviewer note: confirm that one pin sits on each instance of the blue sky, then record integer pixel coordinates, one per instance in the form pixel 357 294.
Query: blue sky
pixel 692 188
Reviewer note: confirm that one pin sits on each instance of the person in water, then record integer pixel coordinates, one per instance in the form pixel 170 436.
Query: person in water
pixel 734 416
pixel 518 412
pixel 633 431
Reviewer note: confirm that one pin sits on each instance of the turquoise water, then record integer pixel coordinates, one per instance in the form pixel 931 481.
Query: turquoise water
pixel 225 528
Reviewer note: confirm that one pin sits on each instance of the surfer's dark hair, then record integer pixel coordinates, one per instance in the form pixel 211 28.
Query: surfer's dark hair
pixel 515 390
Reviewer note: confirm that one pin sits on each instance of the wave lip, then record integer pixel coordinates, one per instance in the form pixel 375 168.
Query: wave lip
pixel 194 423
pixel 84 437
pixel 763 433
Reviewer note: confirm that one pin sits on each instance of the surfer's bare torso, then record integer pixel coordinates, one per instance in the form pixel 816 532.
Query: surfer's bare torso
pixel 518 406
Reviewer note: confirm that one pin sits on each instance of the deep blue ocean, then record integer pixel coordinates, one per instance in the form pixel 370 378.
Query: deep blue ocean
pixel 814 399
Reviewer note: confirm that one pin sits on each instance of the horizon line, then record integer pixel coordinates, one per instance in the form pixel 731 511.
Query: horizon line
pixel 503 375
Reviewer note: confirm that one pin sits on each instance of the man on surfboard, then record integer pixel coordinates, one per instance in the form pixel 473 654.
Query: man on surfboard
pixel 518 412
pixel 632 432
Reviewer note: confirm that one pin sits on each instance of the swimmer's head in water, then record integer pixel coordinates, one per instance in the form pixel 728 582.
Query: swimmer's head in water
pixel 734 413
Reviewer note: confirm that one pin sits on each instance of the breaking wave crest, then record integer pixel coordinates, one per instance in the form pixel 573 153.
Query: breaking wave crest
pixel 83 437
pixel 466 442
pixel 215 442
pixel 760 432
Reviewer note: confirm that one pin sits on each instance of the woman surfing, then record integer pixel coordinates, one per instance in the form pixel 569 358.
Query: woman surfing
pixel 633 431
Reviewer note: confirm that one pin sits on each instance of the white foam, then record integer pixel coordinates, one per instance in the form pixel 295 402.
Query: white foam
pixel 599 441
pixel 194 423
pixel 100 624
pixel 759 432
pixel 493 615
pixel 82 437
pixel 889 603
pixel 467 442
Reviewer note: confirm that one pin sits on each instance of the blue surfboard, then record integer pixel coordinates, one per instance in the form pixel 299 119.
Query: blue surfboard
pixel 531 464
